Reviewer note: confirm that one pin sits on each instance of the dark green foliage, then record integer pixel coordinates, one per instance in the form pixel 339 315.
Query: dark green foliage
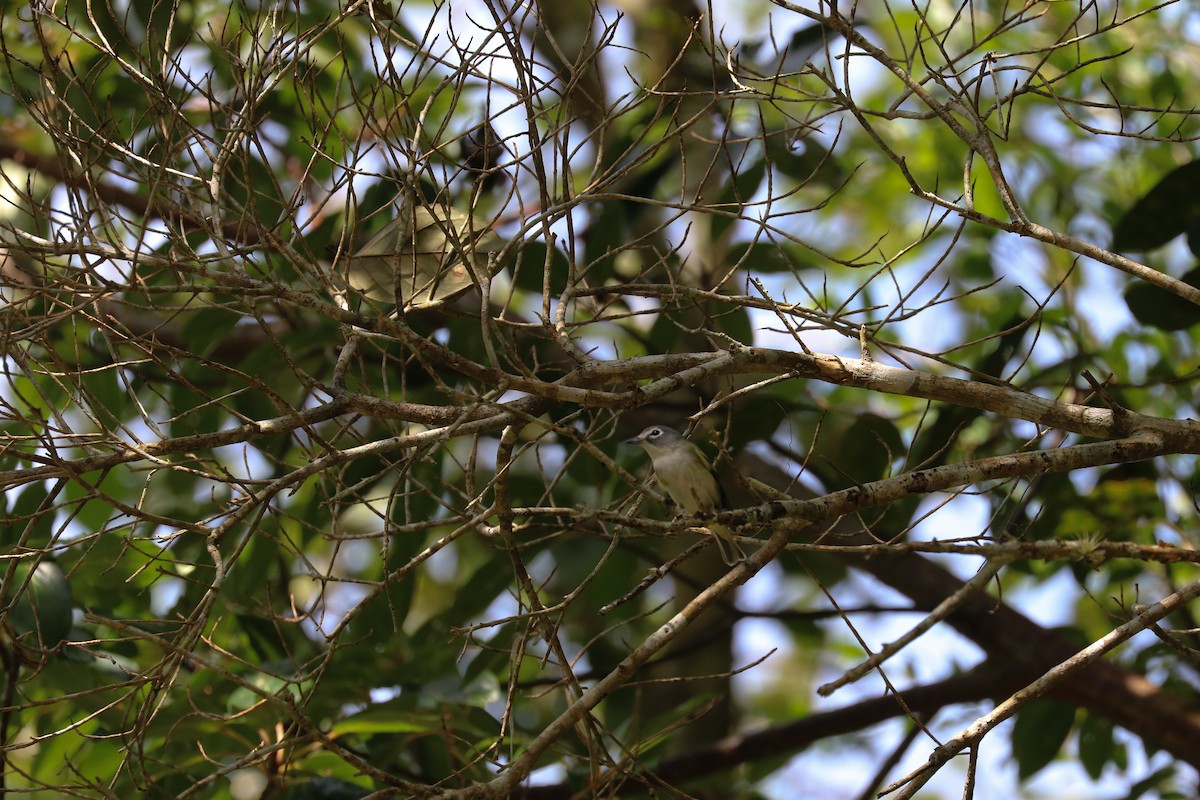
pixel 1155 307
pixel 1041 729
pixel 1172 207
pixel 260 523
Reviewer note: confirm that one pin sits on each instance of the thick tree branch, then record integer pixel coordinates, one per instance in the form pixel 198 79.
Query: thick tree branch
pixel 673 372
pixel 1074 665
pixel 793 737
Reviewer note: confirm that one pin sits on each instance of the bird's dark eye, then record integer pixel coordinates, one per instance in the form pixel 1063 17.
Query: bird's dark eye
pixel 654 434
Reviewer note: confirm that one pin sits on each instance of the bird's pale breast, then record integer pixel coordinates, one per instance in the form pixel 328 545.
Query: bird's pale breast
pixel 688 482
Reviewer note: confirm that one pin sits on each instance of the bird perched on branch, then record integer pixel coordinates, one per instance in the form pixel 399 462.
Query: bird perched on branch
pixel 423 257
pixel 688 479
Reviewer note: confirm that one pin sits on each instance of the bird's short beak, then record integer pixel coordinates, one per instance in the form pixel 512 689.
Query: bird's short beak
pixel 635 440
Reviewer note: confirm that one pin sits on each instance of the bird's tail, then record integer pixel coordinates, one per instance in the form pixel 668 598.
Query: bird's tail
pixel 731 551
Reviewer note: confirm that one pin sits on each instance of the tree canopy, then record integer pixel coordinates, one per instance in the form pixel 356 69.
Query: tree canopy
pixel 323 327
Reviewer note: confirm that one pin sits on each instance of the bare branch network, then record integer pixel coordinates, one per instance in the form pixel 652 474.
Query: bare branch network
pixel 321 327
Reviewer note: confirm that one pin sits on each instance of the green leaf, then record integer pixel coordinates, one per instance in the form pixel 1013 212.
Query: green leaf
pixel 529 266
pixel 17 521
pixel 1153 782
pixel 760 258
pixel 265 684
pixel 37 400
pixel 608 231
pixel 758 417
pixel 736 325
pixel 42 614
pixel 393 716
pixel 1095 744
pixel 1059 497
pixel 106 396
pixel 208 327
pixel 856 449
pixel 1167 210
pixel 747 166
pixel 1161 309
pixel 1039 733
pixel 264 636
pixel 803 161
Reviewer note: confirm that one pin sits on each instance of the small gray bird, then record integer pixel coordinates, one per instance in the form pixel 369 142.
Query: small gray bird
pixel 686 476
pixel 425 256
